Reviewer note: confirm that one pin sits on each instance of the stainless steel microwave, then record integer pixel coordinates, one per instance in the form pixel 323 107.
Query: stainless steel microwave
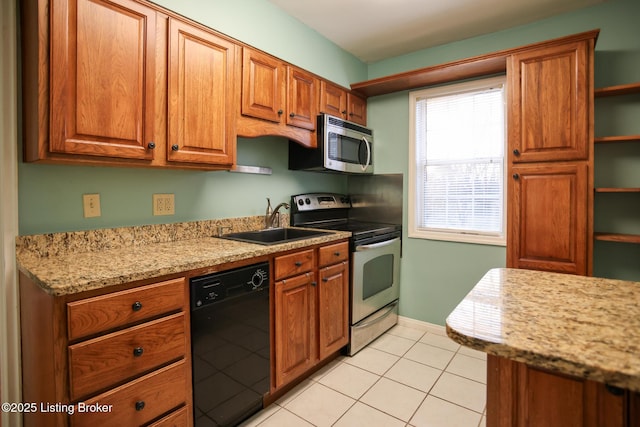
pixel 343 146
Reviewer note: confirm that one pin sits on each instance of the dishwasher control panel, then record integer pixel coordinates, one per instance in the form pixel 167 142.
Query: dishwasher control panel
pixel 227 285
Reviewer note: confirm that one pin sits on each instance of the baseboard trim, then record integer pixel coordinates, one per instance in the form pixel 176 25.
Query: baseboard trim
pixel 419 324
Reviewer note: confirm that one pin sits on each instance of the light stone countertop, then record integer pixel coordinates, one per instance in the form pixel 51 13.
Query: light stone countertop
pixel 67 263
pixel 582 326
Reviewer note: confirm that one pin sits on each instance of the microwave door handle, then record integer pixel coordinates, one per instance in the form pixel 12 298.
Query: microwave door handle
pixel 368 162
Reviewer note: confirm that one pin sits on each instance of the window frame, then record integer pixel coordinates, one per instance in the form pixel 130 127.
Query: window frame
pixel 413 200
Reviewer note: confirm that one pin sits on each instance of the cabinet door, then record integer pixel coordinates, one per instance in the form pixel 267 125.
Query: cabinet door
pixel 519 396
pixel 295 322
pixel 102 78
pixel 357 108
pixel 263 86
pixel 302 98
pixel 550 103
pixel 333 309
pixel 333 100
pixel 547 216
pixel 202 96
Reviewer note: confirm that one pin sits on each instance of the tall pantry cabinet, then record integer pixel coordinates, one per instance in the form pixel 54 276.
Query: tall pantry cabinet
pixel 550 167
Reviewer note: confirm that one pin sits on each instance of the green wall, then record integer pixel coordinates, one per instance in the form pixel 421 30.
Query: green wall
pixel 437 275
pixel 51 195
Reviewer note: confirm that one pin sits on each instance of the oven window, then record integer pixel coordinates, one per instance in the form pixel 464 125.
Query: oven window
pixel 377 275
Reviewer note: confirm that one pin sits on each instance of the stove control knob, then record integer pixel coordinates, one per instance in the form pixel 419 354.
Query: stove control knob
pixel 300 202
pixel 307 201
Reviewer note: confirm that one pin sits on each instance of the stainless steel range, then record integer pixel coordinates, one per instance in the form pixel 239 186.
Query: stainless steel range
pixel 375 261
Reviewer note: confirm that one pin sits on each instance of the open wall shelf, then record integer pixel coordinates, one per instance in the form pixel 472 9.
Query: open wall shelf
pixel 626 89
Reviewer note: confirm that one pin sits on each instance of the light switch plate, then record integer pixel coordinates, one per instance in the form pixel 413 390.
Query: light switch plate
pixel 163 204
pixel 91 205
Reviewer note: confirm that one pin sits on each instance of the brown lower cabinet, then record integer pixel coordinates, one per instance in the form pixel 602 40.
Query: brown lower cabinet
pixel 519 395
pixel 95 357
pixel 311 309
pixel 122 355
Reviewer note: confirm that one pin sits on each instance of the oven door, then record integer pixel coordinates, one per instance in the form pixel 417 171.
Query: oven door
pixel 376 276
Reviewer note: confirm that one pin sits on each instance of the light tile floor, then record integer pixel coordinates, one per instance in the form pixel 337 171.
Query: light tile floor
pixel 407 377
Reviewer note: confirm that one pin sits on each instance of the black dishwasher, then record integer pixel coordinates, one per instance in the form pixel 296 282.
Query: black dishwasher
pixel 230 344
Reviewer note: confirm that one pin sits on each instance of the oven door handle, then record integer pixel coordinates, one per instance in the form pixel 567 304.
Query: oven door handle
pixel 377 245
pixel 389 309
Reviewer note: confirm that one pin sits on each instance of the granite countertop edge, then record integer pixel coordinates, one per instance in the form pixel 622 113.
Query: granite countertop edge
pixel 74 272
pixel 596 353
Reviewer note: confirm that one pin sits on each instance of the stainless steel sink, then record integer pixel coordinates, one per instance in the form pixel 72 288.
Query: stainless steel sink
pixel 273 236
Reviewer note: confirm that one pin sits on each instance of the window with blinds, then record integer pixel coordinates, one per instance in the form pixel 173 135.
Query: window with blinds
pixel 457 169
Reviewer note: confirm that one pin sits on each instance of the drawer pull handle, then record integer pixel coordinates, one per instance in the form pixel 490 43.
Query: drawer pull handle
pixel 137 352
pixel 616 391
pixel 136 306
pixel 139 405
pixel 298 264
pixel 336 253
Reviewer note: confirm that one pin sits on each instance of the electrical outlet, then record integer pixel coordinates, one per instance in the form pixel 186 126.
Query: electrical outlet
pixel 91 205
pixel 163 204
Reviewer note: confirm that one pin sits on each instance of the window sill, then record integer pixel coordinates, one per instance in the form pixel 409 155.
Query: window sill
pixel 458 237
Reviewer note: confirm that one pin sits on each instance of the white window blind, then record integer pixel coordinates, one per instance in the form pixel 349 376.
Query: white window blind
pixel 458 155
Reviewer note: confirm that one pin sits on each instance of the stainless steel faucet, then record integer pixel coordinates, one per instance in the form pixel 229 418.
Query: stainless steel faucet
pixel 272 220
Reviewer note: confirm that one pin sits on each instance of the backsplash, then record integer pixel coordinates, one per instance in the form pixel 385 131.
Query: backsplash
pixel 56 244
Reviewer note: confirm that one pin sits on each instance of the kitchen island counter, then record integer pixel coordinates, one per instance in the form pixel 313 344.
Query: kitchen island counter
pixel 584 327
pixel 68 263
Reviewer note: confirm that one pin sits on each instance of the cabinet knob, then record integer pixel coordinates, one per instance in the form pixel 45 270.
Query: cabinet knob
pixel 292 115
pixel 137 352
pixel 516 152
pixel 336 253
pixel 298 264
pixel 325 279
pixel 344 113
pixel 136 306
pixel 151 145
pixel 280 112
pixel 616 391
pixel 175 147
pixel 516 176
pixel 139 405
pixel 314 283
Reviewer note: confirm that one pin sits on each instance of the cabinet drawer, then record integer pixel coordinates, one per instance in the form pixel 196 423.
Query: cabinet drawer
pixel 94 315
pixel 140 401
pixel 290 265
pixel 333 254
pixel 178 418
pixel 96 364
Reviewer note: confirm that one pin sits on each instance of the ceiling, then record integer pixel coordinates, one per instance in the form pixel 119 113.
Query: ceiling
pixel 373 30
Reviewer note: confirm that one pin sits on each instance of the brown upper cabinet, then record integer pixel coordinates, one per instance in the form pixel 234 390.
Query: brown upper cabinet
pixel 103 70
pixel 277 92
pixel 333 100
pixel 357 108
pixel 263 86
pixel 549 114
pixel 126 82
pixel 202 96
pixel 302 98
pixel 342 103
pixel 123 83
